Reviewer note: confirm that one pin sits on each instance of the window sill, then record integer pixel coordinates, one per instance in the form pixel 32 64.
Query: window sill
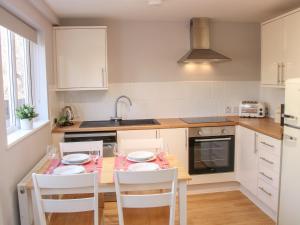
pixel 19 135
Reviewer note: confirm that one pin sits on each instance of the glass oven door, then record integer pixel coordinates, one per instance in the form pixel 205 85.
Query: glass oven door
pixel 214 154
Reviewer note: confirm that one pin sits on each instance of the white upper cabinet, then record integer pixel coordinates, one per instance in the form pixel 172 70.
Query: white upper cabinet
pixel 271 52
pixel 280 49
pixel 292 47
pixel 80 58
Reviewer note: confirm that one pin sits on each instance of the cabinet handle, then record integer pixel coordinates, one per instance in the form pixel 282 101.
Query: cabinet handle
pixel 266 176
pixel 265 143
pixel 290 117
pixel 255 143
pixel 278 73
pixel 282 73
pixel 266 160
pixel 186 139
pixel 102 73
pixel 266 192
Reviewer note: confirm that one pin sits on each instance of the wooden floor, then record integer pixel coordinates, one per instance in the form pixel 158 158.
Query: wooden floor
pixel 226 208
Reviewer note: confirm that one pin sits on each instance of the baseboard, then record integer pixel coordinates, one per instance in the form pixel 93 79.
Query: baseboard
pixel 271 213
pixel 213 188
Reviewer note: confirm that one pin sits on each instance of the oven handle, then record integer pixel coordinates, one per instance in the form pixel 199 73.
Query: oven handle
pixel 212 139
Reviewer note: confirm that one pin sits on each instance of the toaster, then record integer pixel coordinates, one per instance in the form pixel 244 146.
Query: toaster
pixel 253 109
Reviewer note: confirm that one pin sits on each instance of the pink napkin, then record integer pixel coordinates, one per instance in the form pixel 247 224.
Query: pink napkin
pixel 121 162
pixel 89 167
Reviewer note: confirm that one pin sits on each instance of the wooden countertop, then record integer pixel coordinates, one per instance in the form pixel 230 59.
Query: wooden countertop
pixel 263 125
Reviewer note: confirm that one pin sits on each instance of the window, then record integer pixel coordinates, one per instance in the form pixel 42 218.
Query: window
pixel 16 73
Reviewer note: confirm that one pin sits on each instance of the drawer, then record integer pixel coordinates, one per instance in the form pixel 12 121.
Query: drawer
pixel 269 161
pixel 268 144
pixel 267 194
pixel 268 176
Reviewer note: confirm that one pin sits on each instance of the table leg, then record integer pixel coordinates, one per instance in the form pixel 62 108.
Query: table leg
pixel 182 202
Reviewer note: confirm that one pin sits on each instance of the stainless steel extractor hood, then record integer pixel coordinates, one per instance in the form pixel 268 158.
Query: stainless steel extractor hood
pixel 200 44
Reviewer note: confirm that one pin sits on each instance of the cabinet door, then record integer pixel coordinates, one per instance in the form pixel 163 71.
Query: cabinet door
pixel 271 52
pixel 177 143
pixel 292 47
pixel 136 134
pixel 80 58
pixel 248 159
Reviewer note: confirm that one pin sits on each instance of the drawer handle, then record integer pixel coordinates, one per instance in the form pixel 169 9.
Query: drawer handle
pixel 266 192
pixel 268 161
pixel 265 143
pixel 266 176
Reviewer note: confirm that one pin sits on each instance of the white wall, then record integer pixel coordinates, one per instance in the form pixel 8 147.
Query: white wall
pixel 162 99
pixel 19 159
pixel 142 58
pixel 141 51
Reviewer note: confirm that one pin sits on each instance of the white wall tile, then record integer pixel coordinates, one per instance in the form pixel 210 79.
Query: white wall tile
pixel 162 99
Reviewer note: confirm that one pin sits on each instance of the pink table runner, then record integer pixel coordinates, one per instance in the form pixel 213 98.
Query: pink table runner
pixel 89 167
pixel 121 162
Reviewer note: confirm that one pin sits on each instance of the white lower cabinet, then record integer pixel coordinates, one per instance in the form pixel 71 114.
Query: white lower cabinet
pixel 136 134
pixel 259 165
pixel 248 159
pixel 177 142
pixel 176 139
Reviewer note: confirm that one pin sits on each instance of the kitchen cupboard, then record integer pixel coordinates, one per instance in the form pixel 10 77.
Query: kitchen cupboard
pixel 272 53
pixel 136 134
pixel 248 159
pixel 80 58
pixel 176 140
pixel 259 165
pixel 280 51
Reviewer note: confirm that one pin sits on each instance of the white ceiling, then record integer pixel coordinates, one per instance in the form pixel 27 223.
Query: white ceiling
pixel 173 10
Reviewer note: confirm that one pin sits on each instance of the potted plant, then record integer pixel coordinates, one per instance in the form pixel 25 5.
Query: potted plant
pixel 26 113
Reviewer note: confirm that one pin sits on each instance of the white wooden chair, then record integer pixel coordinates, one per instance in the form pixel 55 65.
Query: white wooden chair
pixel 47 185
pixel 146 181
pixel 84 146
pixel 150 144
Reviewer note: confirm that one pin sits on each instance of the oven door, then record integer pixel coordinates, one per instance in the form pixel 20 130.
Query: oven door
pixel 214 154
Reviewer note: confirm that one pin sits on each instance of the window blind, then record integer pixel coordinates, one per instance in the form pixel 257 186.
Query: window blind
pixel 16 25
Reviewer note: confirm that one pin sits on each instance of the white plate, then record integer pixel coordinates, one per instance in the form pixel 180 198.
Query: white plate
pixel 140 155
pixel 68 170
pixel 75 163
pixel 76 158
pixel 141 161
pixel 138 167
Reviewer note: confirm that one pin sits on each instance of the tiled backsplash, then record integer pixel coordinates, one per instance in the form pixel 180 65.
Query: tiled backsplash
pixel 164 99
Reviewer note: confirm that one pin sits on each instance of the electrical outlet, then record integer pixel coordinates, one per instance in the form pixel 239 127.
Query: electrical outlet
pixel 228 109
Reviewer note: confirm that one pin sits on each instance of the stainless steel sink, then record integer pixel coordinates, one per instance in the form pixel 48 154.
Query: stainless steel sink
pixel 138 122
pixel 113 123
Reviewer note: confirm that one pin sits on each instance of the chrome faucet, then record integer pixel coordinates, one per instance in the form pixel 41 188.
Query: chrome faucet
pixel 116 118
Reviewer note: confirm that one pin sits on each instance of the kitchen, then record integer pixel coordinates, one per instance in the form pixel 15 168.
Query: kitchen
pixel 136 49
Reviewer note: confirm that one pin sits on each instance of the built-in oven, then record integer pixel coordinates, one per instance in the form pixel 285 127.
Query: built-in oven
pixel 211 149
pixel 109 139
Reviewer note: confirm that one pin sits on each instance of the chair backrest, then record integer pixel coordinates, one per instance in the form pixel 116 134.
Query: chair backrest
pixel 84 146
pixel 148 180
pixel 47 185
pixel 150 144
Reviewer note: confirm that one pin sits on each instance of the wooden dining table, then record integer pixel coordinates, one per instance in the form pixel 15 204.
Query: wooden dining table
pixel 27 207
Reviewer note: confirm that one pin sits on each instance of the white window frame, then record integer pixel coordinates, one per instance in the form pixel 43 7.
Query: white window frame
pixel 13 88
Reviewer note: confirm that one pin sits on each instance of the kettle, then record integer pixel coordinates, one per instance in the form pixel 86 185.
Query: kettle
pixel 68 113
